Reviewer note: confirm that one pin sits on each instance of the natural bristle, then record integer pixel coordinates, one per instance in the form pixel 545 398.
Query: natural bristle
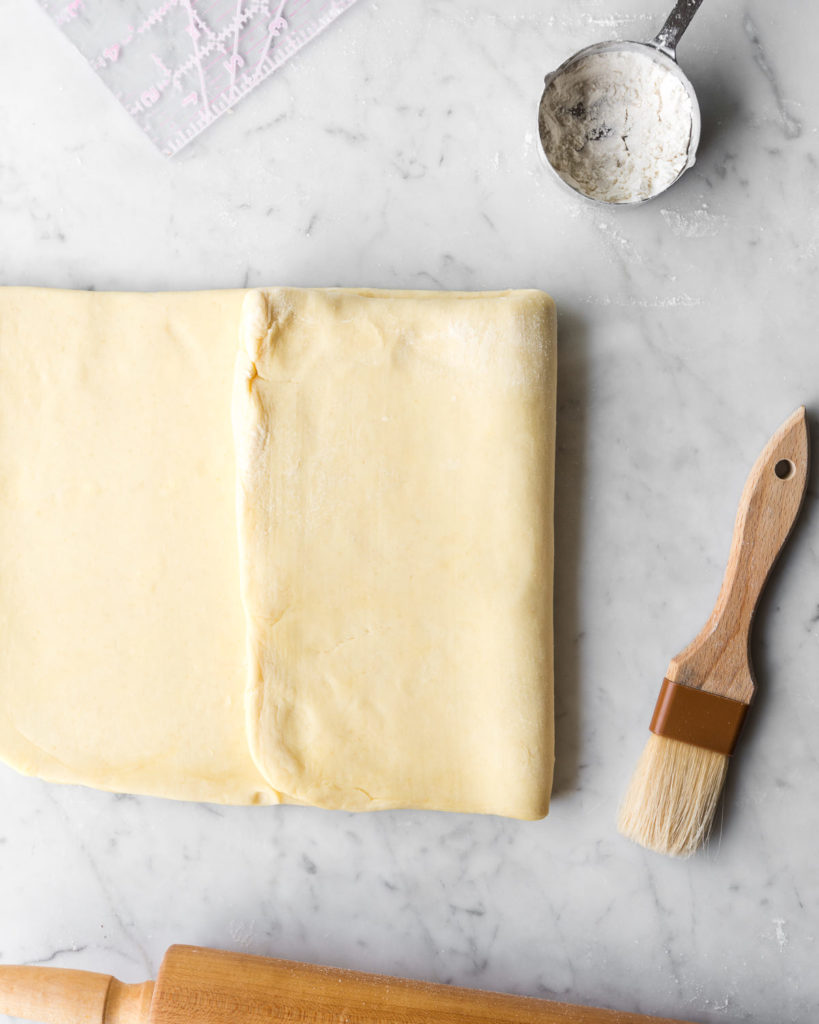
pixel 670 803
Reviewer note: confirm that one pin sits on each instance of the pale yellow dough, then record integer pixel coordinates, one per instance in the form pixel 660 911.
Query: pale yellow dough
pixel 395 460
pixel 121 662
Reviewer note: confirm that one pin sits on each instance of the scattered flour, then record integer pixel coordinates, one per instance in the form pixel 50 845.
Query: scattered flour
pixel 616 125
pixel 694 223
pixel 781 936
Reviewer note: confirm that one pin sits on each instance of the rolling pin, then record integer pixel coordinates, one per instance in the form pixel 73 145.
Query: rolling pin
pixel 206 986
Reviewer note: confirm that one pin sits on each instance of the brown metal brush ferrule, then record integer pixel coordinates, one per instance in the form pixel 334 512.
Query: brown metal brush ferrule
pixel 698 717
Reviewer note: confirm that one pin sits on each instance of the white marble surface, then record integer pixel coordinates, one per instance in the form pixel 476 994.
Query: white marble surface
pixel 399 150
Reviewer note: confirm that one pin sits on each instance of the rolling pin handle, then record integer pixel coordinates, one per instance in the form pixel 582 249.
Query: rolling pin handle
pixel 128 1004
pixel 53 995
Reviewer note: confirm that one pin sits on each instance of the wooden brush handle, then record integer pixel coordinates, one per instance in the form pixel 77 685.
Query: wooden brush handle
pixel 718 660
pixel 205 986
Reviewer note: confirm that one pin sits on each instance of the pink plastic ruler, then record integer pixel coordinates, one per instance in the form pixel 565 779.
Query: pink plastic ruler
pixel 177 65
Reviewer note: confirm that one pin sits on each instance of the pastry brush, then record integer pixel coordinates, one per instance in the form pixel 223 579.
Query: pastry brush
pixel 206 986
pixel 670 803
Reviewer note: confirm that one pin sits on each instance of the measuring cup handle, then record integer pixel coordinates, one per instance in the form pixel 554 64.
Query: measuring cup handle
pixel 676 23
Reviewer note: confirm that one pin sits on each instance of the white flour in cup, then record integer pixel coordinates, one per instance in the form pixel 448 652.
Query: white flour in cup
pixel 616 126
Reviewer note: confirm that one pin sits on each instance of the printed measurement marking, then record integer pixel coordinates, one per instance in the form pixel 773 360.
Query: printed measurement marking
pixel 274 29
pixel 195 32
pixel 237 25
pixel 177 65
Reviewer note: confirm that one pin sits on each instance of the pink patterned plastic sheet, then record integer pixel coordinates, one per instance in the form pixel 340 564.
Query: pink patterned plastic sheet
pixel 178 65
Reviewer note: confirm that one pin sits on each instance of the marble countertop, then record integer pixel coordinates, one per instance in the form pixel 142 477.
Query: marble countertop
pixel 399 150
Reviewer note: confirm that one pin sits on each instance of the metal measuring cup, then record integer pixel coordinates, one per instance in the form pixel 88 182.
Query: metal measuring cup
pixel 661 50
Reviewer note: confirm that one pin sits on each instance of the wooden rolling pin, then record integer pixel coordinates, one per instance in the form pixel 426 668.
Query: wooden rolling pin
pixel 205 986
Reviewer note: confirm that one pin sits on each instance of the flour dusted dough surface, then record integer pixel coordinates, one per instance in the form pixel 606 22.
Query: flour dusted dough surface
pixel 395 463
pixel 121 662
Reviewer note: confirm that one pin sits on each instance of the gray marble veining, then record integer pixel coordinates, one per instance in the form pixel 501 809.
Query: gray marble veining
pixel 400 149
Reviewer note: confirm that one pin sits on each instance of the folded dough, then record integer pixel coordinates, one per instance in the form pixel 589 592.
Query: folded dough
pixel 121 664
pixel 395 460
